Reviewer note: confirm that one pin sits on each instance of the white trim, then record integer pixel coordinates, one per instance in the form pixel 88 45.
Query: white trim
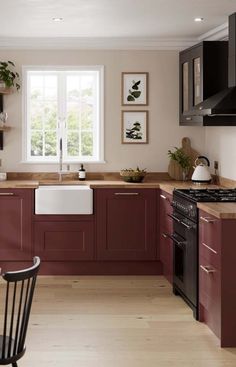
pixel 110 43
pixel 216 34
pixel 99 145
pixel 64 162
pixel 83 43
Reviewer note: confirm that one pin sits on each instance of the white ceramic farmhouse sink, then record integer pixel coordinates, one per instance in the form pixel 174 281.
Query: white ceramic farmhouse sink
pixel 64 200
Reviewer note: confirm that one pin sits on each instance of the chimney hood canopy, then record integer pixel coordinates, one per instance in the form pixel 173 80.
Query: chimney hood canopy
pixel 220 104
pixel 224 102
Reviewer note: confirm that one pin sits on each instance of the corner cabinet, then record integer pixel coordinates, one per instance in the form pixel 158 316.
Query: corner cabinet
pixel 15 224
pixel 126 224
pixel 203 71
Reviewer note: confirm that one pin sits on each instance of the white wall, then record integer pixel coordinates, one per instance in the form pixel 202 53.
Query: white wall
pixel 221 146
pixel 164 132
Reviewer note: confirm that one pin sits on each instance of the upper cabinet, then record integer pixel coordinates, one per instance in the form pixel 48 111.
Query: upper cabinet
pixel 3 91
pixel 203 71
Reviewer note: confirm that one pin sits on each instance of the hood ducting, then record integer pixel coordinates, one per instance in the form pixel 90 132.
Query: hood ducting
pixel 224 102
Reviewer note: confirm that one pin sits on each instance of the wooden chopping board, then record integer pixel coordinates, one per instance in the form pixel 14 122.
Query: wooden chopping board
pixel 174 169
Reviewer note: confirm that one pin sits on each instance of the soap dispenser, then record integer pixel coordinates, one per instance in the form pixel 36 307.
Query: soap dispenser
pixel 82 173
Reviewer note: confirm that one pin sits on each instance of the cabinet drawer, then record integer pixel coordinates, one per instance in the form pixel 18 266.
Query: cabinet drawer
pixel 209 231
pixel 209 284
pixel 64 241
pixel 165 203
pixel 210 255
pixel 166 225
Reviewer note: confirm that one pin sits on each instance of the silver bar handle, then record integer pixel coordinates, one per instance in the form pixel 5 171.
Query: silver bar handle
pixel 208 220
pixel 7 194
pixel 188 118
pixel 174 217
pixel 209 248
pixel 165 198
pixel 207 269
pixel 186 225
pixel 126 193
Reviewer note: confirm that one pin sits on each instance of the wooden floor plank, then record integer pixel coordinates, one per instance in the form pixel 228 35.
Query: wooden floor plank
pixel 117 321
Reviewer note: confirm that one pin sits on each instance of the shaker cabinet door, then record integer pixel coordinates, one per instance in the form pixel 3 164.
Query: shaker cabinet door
pixel 126 224
pixel 15 224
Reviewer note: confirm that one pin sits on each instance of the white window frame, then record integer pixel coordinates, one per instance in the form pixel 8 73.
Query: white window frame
pixel 26 158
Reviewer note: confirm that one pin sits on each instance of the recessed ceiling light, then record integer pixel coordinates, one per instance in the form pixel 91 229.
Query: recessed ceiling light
pixel 57 19
pixel 198 19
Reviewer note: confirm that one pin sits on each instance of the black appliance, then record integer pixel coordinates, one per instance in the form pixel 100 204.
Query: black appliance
pixel 185 238
pixel 223 103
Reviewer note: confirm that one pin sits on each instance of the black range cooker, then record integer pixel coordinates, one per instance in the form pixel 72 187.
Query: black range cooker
pixel 185 238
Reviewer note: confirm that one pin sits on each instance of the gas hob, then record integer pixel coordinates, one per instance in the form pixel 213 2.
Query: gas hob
pixel 208 195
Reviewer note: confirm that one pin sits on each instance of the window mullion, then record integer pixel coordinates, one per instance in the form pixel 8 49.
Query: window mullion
pixel 61 112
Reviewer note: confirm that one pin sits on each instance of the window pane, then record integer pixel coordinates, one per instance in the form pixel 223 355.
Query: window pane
pixel 73 144
pixel 73 88
pixel 50 94
pixel 87 144
pixel 87 118
pixel 50 116
pixel 36 94
pixel 72 116
pixel 36 118
pixel 50 143
pixel 36 144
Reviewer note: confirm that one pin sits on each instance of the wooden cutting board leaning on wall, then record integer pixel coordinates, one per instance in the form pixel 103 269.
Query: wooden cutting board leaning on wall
pixel 174 169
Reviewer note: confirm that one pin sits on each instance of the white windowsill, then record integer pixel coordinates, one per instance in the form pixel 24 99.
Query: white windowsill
pixel 64 162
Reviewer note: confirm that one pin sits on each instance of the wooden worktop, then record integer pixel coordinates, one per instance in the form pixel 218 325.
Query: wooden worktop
pixel 220 210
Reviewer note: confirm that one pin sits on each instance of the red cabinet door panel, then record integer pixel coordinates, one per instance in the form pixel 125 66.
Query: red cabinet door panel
pixel 126 224
pixel 64 241
pixel 210 255
pixel 15 224
pixel 210 294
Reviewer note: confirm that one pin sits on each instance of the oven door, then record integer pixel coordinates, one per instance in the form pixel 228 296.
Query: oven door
pixel 185 255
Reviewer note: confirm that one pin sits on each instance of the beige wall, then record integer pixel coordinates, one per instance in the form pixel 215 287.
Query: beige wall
pixel 221 146
pixel 164 132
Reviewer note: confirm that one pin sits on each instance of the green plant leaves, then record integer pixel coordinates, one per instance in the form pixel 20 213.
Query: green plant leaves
pixel 135 92
pixel 180 157
pixel 9 77
pixel 130 98
pixel 135 85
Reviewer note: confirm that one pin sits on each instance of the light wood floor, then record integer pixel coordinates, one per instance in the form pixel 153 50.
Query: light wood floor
pixel 117 322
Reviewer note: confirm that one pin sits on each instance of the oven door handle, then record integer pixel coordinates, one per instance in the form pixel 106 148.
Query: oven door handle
pixel 174 217
pixel 174 239
pixel 186 225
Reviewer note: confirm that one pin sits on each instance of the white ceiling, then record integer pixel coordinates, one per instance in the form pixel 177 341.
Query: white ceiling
pixel 150 20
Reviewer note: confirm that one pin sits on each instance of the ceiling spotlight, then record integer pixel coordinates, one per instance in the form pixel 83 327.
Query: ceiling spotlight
pixel 57 19
pixel 198 19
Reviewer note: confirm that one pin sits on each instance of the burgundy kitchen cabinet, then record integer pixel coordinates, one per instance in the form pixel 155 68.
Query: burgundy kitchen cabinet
pixel 217 274
pixel 64 240
pixel 166 229
pixel 15 224
pixel 126 224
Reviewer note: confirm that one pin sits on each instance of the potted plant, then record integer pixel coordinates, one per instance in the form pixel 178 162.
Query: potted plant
pixel 8 77
pixel 182 159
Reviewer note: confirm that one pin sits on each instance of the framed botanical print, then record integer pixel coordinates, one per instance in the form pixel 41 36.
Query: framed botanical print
pixel 134 86
pixel 134 127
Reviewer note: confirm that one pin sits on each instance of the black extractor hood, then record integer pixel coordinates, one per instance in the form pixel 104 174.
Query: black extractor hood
pixel 224 102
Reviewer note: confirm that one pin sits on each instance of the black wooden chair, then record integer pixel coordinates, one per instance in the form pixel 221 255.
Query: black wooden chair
pixel 18 300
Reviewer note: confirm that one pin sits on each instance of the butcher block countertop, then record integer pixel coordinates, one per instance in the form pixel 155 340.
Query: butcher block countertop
pixel 219 210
